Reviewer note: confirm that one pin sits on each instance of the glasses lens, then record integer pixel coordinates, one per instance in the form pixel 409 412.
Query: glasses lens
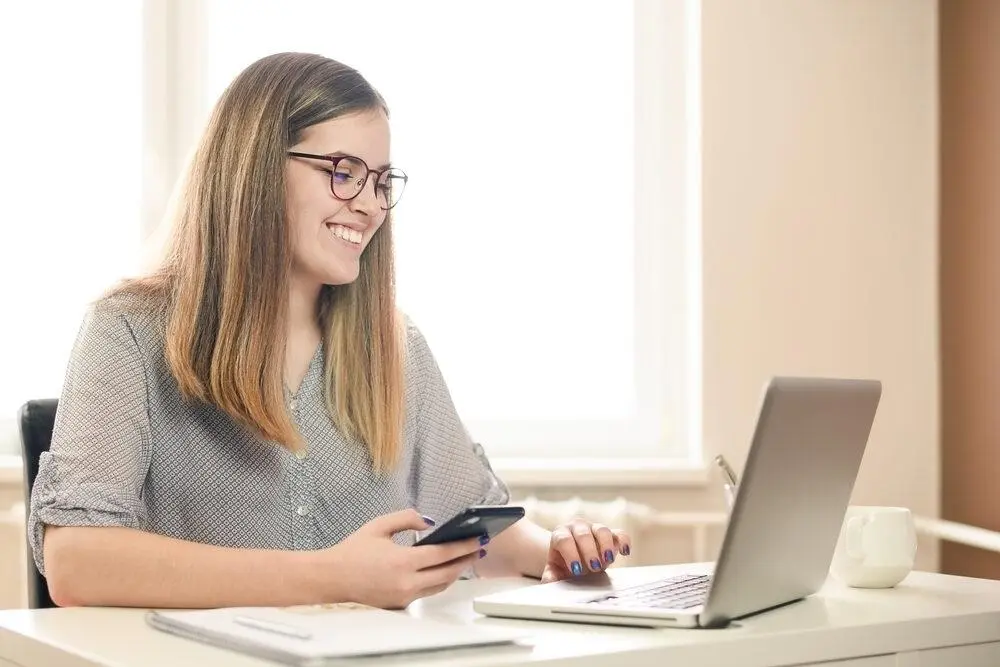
pixel 348 177
pixel 391 187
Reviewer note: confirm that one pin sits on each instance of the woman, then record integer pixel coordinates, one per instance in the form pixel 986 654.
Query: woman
pixel 254 423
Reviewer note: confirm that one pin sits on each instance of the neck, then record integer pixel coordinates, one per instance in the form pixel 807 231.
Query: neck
pixel 302 303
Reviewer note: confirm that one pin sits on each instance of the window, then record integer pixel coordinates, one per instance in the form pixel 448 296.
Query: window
pixel 72 194
pixel 546 243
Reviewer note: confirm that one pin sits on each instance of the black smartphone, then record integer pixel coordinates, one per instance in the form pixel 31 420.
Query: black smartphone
pixel 474 521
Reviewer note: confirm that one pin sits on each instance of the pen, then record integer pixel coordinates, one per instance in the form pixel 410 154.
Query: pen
pixel 272 626
pixel 731 483
pixel 727 471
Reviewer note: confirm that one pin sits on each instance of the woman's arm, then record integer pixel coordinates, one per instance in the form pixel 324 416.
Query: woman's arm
pixel 521 550
pixel 123 567
pixel 112 566
pixel 571 550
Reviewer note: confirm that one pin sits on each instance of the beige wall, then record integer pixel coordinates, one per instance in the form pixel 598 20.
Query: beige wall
pixel 820 214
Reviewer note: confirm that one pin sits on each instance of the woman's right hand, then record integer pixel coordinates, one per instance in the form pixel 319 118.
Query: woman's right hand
pixel 374 570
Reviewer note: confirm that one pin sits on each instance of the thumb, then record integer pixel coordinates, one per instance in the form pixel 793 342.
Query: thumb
pixel 389 524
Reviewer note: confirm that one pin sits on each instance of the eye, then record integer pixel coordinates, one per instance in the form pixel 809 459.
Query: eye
pixel 341 175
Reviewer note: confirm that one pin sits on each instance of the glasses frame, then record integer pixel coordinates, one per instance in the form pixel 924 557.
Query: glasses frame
pixel 334 160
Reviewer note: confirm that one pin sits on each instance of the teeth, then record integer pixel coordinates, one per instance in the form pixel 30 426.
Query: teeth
pixel 346 233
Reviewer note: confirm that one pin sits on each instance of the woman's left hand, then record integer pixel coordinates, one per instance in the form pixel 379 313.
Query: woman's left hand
pixel 580 547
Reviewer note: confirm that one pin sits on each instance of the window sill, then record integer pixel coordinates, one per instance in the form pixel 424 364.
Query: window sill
pixel 600 472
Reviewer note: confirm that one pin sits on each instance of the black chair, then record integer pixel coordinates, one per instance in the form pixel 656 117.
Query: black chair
pixel 35 422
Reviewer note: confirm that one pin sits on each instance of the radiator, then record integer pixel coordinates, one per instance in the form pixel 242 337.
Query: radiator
pixel 638 519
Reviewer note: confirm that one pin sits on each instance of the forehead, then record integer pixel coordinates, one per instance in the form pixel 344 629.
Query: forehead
pixel 364 134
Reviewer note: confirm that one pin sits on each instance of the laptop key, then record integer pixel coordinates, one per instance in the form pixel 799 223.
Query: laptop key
pixel 681 592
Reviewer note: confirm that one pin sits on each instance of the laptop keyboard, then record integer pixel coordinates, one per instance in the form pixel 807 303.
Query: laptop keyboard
pixel 681 592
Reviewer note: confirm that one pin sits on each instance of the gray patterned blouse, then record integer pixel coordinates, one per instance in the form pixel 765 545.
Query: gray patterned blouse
pixel 129 451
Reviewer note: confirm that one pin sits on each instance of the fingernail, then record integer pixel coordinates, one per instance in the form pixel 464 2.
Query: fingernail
pixel 625 550
pixel 484 540
pixel 482 553
pixel 429 521
pixel 576 568
pixel 595 564
pixel 609 556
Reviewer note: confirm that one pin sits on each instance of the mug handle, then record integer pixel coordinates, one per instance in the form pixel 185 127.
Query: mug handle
pixel 854 538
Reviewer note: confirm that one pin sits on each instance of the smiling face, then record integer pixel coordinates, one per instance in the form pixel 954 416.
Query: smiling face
pixel 328 234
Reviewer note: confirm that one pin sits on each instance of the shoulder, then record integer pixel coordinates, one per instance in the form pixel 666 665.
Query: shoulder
pixel 415 342
pixel 127 314
pixel 419 363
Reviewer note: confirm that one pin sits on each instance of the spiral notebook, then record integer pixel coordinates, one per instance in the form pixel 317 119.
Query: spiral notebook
pixel 308 636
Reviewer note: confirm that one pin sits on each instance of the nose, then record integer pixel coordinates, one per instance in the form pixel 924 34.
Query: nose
pixel 367 200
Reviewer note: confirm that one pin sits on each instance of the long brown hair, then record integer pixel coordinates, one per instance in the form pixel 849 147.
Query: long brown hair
pixel 224 279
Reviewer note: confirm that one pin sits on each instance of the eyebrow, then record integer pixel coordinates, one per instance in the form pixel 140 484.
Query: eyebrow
pixel 343 154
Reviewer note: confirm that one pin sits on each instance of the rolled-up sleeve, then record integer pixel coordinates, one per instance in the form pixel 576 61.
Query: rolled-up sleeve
pixel 451 470
pixel 93 473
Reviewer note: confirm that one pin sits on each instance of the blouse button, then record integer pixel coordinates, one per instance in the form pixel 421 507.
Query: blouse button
pixel 302 510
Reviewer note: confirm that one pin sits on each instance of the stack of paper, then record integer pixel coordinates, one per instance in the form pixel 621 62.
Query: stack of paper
pixel 309 635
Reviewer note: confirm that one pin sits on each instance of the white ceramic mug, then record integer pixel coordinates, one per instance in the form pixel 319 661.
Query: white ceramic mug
pixel 877 547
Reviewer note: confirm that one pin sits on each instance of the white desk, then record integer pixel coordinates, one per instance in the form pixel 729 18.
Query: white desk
pixel 929 620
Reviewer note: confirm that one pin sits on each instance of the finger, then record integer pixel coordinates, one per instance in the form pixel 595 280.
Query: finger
pixel 564 543
pixel 556 570
pixel 605 543
pixel 446 574
pixel 443 576
pixel 432 555
pixel 586 544
pixel 389 524
pixel 623 542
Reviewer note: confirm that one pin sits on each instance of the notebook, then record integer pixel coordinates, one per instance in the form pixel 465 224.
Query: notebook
pixel 306 636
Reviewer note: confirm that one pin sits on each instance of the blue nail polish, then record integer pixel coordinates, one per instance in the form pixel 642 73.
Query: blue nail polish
pixel 484 540
pixel 609 556
pixel 482 553
pixel 595 565
pixel 429 521
pixel 576 568
pixel 625 550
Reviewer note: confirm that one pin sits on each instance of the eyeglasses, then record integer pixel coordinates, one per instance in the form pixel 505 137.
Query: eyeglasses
pixel 349 175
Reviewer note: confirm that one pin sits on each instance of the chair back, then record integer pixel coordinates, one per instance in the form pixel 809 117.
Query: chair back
pixel 35 422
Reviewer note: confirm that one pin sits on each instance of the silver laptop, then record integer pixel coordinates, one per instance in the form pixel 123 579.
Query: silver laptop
pixel 800 471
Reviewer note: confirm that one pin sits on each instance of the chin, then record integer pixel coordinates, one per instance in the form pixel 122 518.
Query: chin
pixel 340 278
